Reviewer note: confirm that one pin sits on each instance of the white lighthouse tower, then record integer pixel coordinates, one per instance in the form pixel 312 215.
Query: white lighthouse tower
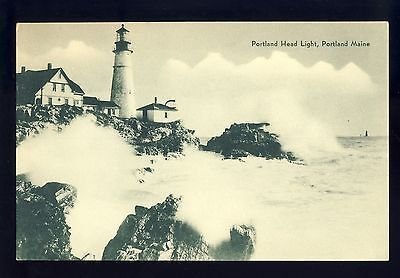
pixel 122 91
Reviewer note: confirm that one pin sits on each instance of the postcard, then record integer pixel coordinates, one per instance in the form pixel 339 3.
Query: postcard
pixel 194 141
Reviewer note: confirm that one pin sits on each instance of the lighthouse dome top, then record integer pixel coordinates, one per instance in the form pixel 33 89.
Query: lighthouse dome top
pixel 122 29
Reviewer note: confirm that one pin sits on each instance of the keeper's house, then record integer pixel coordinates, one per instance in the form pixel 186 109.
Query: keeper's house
pixel 53 87
pixel 158 113
pixel 47 87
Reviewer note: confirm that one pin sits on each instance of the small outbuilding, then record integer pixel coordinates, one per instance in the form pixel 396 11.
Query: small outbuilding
pixel 158 112
pixel 104 106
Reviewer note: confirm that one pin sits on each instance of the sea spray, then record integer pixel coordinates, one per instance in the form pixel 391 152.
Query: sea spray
pixel 94 160
pixel 299 131
pixel 322 210
pixel 216 193
pixel 278 89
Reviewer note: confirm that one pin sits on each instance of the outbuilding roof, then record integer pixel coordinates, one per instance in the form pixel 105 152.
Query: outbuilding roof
pixel 157 106
pixel 108 103
pixel 30 81
pixel 88 100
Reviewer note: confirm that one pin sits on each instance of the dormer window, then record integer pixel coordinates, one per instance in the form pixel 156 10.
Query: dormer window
pixel 54 87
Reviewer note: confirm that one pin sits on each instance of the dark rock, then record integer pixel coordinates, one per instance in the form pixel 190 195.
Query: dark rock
pixel 240 246
pixel 140 210
pixel 23 112
pixel 164 138
pixel 243 239
pixel 25 129
pixel 189 244
pixel 60 193
pixel 41 230
pixel 24 177
pixel 156 234
pixel 241 140
pixel 128 254
pixel 151 230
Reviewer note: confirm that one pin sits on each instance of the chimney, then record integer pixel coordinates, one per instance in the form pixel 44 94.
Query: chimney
pixel 155 99
pixel 23 69
pixel 49 66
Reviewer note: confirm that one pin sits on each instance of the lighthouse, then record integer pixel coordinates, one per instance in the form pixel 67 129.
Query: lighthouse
pixel 122 91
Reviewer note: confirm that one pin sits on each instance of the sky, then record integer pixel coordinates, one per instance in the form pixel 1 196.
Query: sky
pixel 217 77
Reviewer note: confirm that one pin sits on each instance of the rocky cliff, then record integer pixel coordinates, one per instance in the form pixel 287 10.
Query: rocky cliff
pixel 147 234
pixel 147 137
pixel 241 140
pixel 156 234
pixel 41 230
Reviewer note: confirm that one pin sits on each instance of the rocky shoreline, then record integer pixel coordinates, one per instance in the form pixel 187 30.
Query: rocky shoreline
pixel 153 233
pixel 41 229
pixel 156 234
pixel 237 141
pixel 147 137
pixel 245 139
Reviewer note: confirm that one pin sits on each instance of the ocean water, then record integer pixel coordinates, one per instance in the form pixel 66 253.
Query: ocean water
pixel 335 207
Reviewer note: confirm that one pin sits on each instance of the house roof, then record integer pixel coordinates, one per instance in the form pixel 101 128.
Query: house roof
pixel 29 82
pixel 108 103
pixel 157 106
pixel 75 87
pixel 88 100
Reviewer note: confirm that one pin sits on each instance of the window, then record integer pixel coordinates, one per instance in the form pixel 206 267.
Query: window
pixel 62 87
pixel 50 101
pixel 165 115
pixel 54 87
pixel 59 75
pixel 112 112
pixel 66 101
